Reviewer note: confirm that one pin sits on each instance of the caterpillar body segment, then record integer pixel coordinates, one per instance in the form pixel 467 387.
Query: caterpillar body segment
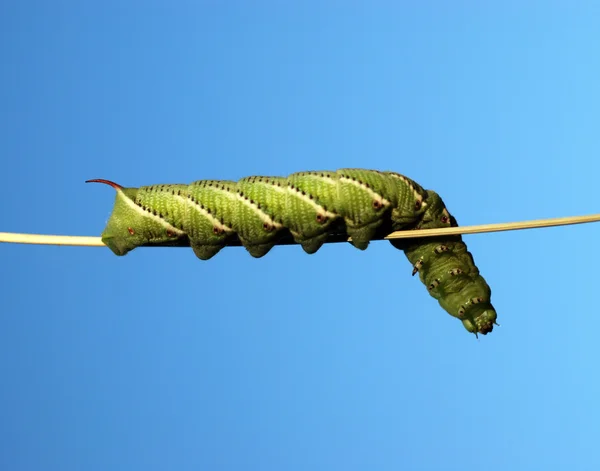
pixel 136 220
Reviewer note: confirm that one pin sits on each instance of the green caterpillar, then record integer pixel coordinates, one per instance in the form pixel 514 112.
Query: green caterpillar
pixel 307 208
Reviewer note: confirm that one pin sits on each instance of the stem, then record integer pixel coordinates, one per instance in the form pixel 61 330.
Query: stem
pixel 40 239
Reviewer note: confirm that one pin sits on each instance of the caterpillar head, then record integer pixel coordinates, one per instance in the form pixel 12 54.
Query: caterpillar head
pixel 481 319
pixel 131 225
pixel 436 215
pixel 476 312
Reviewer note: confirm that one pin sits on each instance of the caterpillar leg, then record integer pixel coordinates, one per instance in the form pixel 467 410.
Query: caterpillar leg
pixel 205 252
pixel 361 236
pixel 313 244
pixel 417 266
pixel 258 250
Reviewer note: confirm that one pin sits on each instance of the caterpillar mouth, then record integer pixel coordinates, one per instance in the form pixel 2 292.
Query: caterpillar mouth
pixel 481 323
pixel 485 327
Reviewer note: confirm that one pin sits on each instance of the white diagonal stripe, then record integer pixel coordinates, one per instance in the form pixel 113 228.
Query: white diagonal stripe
pixel 369 191
pixel 143 212
pixel 189 203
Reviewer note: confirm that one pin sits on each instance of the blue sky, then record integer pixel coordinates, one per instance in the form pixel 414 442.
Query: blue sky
pixel 339 360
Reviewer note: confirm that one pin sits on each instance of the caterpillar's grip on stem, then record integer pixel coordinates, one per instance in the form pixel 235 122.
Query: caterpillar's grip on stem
pixel 308 207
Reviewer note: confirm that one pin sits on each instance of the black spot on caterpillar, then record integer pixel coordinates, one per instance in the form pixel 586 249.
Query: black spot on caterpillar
pixel 308 208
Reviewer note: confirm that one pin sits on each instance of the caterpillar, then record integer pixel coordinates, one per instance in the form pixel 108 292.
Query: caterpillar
pixel 310 209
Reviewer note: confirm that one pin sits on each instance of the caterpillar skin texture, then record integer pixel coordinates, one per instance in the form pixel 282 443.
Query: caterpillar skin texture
pixel 308 207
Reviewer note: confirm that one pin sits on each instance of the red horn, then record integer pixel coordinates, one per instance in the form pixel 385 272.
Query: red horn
pixel 116 186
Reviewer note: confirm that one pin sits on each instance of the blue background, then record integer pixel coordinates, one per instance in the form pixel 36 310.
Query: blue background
pixel 339 360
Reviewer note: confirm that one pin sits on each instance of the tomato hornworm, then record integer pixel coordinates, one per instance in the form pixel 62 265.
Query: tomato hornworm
pixel 307 208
